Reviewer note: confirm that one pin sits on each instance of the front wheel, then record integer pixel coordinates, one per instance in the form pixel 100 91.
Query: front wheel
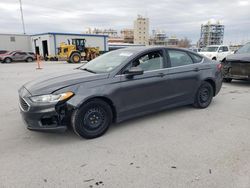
pixel 75 58
pixel 7 60
pixel 29 59
pixel 204 95
pixel 92 119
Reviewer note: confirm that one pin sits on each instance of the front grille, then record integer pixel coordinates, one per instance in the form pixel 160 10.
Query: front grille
pixel 24 105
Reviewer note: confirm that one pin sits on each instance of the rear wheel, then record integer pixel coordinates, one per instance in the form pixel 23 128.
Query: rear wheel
pixel 228 80
pixel 92 119
pixel 8 60
pixel 75 58
pixel 204 95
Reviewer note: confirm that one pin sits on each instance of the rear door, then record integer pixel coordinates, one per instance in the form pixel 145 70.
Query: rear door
pixel 183 75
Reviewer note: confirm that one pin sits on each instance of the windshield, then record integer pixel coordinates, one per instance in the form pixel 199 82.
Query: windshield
pixel 209 49
pixel 107 62
pixel 244 49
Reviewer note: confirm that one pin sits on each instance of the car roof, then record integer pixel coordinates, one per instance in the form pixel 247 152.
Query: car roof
pixel 144 48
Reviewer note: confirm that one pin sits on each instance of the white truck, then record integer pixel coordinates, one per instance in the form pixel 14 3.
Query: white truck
pixel 216 52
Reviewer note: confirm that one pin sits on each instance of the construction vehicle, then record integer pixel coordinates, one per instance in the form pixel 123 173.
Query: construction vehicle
pixel 74 52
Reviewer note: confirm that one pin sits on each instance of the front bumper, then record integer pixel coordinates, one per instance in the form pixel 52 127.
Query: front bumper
pixel 42 117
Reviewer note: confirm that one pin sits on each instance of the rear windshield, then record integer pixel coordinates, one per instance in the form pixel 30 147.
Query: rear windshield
pixel 244 49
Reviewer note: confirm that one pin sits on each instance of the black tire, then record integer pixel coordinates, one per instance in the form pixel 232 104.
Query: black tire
pixel 227 80
pixel 214 58
pixel 204 95
pixel 29 59
pixel 75 58
pixel 92 119
pixel 7 60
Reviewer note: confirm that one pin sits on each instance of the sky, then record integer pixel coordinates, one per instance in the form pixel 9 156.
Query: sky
pixel 178 18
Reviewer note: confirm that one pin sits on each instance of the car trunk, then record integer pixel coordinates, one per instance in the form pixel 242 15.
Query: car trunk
pixel 239 69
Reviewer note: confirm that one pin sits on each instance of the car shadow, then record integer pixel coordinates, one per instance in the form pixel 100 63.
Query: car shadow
pixel 149 117
pixel 245 83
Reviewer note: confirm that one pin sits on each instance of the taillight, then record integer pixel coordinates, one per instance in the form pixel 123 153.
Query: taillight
pixel 219 66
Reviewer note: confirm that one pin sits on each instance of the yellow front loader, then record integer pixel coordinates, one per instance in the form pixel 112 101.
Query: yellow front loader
pixel 75 52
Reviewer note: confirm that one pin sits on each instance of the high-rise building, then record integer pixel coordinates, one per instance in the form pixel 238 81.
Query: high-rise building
pixel 141 30
pixel 128 35
pixel 211 34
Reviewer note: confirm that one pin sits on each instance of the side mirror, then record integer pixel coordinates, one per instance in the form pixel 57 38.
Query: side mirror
pixel 220 51
pixel 133 71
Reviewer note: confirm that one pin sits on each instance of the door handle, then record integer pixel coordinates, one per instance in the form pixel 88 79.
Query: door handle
pixel 196 69
pixel 161 74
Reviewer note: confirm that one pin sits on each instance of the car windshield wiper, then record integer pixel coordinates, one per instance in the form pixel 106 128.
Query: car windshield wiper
pixel 86 69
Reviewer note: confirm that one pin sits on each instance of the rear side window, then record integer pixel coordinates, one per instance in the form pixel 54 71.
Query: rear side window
pixel 196 58
pixel 179 58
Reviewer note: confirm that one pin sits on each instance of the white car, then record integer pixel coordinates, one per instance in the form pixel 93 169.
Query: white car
pixel 216 52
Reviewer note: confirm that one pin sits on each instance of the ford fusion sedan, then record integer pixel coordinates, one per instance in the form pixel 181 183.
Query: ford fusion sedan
pixel 237 66
pixel 117 86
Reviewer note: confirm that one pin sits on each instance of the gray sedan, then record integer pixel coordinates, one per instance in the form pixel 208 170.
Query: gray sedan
pixel 117 86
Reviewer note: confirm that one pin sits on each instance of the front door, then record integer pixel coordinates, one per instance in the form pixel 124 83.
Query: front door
pixel 143 93
pixel 19 56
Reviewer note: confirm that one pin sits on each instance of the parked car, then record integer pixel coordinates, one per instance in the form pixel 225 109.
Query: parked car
pixel 195 49
pixel 237 66
pixel 17 56
pixel 3 51
pixel 117 86
pixel 216 52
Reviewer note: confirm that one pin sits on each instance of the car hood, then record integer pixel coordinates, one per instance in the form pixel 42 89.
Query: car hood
pixel 53 82
pixel 239 57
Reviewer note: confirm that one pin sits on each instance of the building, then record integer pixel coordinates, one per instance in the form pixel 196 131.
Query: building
pixel 127 35
pixel 48 43
pixel 11 42
pixel 112 33
pixel 211 34
pixel 158 38
pixel 141 30
pixel 172 41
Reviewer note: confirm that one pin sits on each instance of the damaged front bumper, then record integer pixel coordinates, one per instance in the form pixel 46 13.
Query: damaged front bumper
pixel 49 117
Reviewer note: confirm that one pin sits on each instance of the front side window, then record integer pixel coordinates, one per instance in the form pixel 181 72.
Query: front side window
pixel 179 58
pixel 225 49
pixel 150 61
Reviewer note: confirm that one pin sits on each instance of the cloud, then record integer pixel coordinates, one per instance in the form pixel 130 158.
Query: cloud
pixel 177 17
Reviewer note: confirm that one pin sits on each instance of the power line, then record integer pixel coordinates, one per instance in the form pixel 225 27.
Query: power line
pixel 21 10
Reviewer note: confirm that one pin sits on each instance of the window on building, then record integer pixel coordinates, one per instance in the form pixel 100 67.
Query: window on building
pixel 179 58
pixel 12 39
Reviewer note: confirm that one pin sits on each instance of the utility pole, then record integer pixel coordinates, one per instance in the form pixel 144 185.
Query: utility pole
pixel 21 10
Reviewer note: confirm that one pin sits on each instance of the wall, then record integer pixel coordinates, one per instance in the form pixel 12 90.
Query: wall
pixel 22 42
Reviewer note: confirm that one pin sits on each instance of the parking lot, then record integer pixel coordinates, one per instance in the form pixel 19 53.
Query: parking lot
pixel 181 147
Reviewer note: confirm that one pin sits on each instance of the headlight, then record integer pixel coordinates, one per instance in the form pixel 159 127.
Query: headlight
pixel 52 97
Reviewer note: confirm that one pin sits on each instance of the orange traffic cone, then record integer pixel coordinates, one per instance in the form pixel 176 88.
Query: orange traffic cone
pixel 38 60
